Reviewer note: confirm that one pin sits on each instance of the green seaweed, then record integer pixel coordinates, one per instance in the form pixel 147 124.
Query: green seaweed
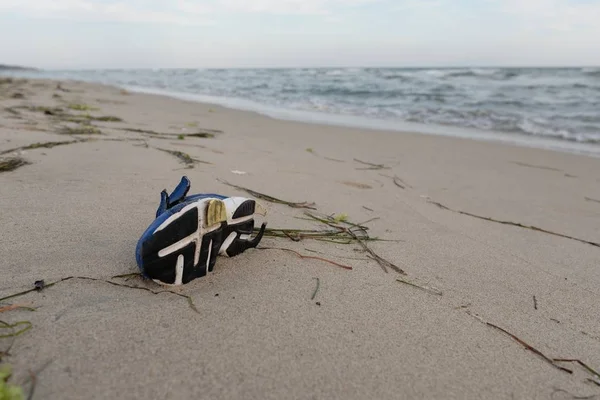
pixel 7 390
pixel 12 163
pixel 6 325
pixel 86 118
pixel 82 107
pixel 44 145
pixel 185 158
pixel 205 133
pixel 12 110
pixel 80 130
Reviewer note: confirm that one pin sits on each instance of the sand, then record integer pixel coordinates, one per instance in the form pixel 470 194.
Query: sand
pixel 78 210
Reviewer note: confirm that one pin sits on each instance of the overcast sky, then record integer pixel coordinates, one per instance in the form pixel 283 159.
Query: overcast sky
pixel 291 33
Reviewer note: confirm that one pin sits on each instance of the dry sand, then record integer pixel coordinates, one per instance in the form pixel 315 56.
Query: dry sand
pixel 79 209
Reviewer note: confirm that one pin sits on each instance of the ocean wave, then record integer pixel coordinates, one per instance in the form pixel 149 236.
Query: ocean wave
pixel 483 73
pixel 595 72
pixel 560 103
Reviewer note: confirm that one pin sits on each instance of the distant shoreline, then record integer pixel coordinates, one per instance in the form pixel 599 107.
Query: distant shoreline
pixel 6 67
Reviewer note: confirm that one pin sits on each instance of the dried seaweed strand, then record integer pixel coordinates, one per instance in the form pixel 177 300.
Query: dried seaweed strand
pixel 271 199
pixel 522 164
pixel 535 303
pixel 369 220
pixel 397 181
pixel 307 257
pixel 371 165
pixel 12 110
pixel 204 133
pixel 316 289
pixel 383 263
pixel 126 275
pixel 584 365
pixel 46 145
pixel 183 157
pixel 523 343
pixel 557 390
pixel 424 288
pixel 15 307
pixel 334 159
pixel 12 163
pixel 380 260
pixel 189 299
pixel 517 224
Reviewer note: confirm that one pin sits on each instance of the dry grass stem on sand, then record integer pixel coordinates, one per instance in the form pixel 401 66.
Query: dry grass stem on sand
pixel 517 224
pixel 42 286
pixel 424 288
pixel 308 257
pixel 271 199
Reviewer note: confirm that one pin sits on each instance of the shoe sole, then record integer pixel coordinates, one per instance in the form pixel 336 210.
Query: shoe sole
pixel 243 214
pixel 190 241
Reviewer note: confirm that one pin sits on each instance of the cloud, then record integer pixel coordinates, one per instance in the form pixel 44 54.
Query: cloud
pixel 562 15
pixel 90 10
pixel 187 12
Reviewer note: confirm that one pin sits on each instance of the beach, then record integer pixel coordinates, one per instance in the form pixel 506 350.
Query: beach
pixel 498 245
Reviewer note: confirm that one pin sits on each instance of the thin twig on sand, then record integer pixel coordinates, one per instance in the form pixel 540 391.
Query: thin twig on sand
pixel 584 365
pixel 397 181
pixel 424 288
pixel 371 166
pixel 46 286
pixel 517 224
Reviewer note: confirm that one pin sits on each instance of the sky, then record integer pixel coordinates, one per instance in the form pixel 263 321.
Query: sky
pixel 61 34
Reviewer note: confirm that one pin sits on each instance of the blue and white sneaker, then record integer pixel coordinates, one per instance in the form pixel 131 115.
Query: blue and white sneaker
pixel 189 232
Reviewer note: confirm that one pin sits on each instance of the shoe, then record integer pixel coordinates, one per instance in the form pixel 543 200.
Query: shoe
pixel 189 232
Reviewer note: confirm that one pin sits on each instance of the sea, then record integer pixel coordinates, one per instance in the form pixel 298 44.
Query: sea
pixel 541 107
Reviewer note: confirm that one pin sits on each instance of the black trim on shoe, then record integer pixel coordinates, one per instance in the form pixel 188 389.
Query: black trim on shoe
pixel 245 209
